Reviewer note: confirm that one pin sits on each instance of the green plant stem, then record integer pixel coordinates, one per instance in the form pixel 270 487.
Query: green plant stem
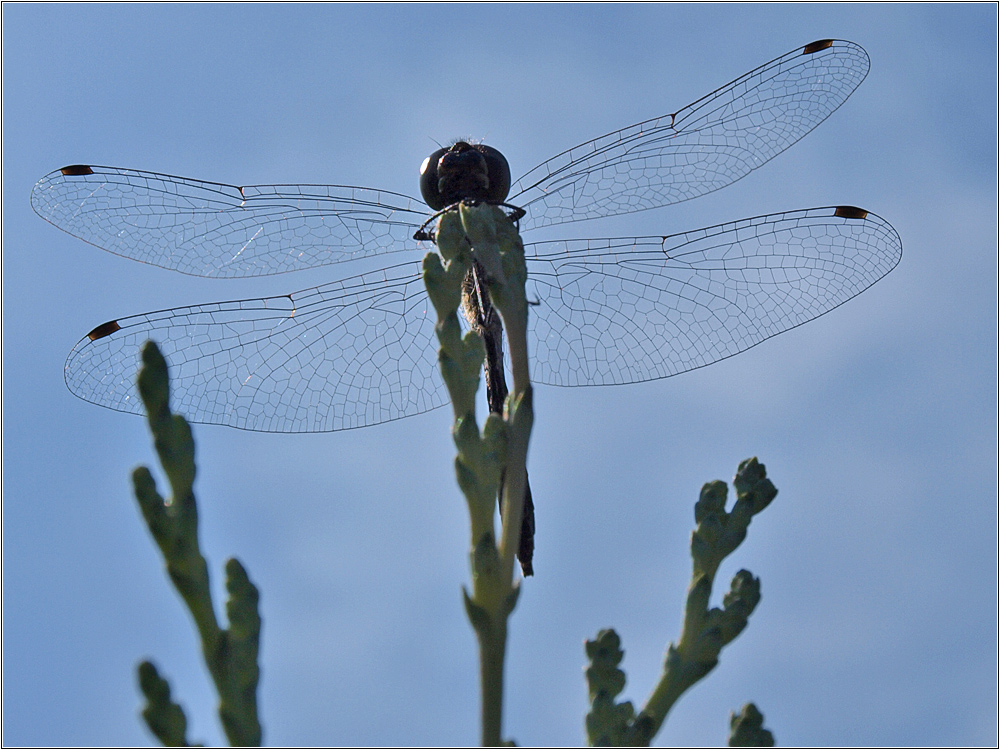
pixel 483 235
pixel 705 631
pixel 230 654
pixel 499 249
pixel 492 649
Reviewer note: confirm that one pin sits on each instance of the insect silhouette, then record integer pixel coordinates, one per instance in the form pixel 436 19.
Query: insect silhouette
pixel 360 350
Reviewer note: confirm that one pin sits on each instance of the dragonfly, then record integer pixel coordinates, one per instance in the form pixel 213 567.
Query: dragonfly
pixel 360 350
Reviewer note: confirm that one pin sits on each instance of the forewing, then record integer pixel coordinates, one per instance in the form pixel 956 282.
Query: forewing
pixel 348 354
pixel 224 231
pixel 639 308
pixel 703 147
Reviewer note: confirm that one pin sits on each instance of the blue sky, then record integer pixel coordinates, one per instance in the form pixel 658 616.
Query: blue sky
pixel 878 560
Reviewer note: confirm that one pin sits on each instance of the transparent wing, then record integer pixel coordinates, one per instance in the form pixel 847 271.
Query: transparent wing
pixel 362 351
pixel 640 308
pixel 224 231
pixel 348 354
pixel 703 147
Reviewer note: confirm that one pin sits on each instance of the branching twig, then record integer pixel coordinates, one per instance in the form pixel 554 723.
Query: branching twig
pixel 705 630
pixel 230 654
pixel 484 232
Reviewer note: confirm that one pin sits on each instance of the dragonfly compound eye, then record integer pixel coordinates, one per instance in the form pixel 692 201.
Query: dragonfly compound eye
pixel 429 180
pixel 464 172
pixel 499 174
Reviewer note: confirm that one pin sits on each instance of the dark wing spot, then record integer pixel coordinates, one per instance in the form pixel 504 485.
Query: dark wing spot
pixel 850 212
pixel 817 46
pixel 104 329
pixel 76 170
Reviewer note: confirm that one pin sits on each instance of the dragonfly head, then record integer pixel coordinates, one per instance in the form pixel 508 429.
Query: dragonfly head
pixel 464 171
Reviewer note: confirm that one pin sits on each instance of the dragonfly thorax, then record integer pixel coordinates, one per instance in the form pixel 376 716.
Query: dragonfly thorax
pixel 464 171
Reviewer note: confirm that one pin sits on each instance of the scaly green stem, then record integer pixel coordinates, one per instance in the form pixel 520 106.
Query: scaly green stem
pixel 230 654
pixel 492 649
pixel 485 234
pixel 705 630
